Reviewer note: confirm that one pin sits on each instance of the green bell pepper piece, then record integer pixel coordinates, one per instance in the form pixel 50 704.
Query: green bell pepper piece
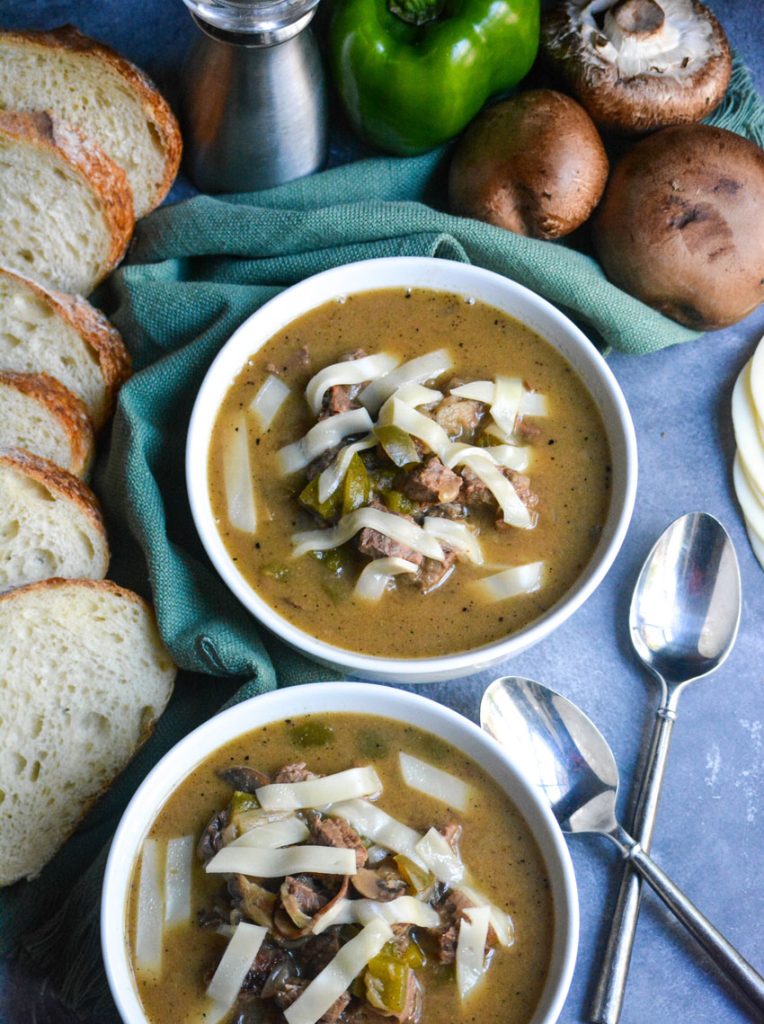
pixel 413 73
pixel 334 560
pixel 398 446
pixel 356 487
pixel 386 982
pixel 382 478
pixel 326 509
pixel 242 802
pixel 411 955
pixel 419 878
pixel 397 502
pixel 311 734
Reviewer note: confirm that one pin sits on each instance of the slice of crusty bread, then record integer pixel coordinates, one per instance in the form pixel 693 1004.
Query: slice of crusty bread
pixel 84 676
pixel 43 331
pixel 109 99
pixel 67 207
pixel 40 415
pixel 50 523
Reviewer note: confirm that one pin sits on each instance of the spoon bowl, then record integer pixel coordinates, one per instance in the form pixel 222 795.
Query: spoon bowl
pixel 568 758
pixel 562 749
pixel 685 610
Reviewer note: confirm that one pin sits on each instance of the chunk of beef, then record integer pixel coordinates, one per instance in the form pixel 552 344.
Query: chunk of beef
pixel 289 992
pixel 359 1012
pixel 318 951
pixel 377 545
pixel 452 833
pixel 528 431
pixel 473 491
pixel 269 959
pixel 302 896
pixel 432 573
pixel 450 908
pixel 244 778
pixel 318 465
pixel 432 483
pixel 522 484
pixel 295 772
pixel 342 397
pixel 459 417
pixel 212 838
pixel 336 1010
pixel 401 938
pixel 525 493
pixel 450 510
pixel 446 939
pixel 293 988
pixel 338 833
pixel 339 398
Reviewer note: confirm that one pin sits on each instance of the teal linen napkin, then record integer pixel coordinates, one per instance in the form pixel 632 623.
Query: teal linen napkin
pixel 195 272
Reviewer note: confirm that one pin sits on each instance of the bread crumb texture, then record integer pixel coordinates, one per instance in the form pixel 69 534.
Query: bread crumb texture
pixel 83 677
pixel 50 523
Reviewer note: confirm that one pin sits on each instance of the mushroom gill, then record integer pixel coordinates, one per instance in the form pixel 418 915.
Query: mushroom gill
pixel 637 65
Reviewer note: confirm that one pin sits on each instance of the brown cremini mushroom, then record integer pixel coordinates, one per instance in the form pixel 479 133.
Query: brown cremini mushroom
pixel 533 164
pixel 382 883
pixel 681 225
pixel 638 65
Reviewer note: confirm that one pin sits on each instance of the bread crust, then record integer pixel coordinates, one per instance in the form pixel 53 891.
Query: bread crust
pixel 55 582
pixel 64 407
pixel 62 483
pixel 94 329
pixel 89 162
pixel 155 107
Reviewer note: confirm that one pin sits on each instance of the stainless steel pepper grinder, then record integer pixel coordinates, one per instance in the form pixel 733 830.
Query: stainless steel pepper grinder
pixel 254 95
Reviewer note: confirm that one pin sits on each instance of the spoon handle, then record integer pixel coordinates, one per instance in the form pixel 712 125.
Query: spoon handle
pixel 724 955
pixel 611 985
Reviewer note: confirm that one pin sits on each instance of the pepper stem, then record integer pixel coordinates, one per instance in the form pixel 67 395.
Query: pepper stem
pixel 416 12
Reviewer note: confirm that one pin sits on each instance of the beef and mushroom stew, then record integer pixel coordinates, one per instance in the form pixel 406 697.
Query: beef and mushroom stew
pixel 407 449
pixel 348 870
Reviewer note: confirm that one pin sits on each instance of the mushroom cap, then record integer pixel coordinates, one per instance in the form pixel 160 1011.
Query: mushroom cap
pixel 534 164
pixel 638 65
pixel 681 225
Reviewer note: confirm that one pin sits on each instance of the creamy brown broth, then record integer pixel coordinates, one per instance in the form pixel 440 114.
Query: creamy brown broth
pixel 570 472
pixel 496 845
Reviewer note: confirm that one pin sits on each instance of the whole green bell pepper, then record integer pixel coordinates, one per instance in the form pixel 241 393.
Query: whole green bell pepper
pixel 413 73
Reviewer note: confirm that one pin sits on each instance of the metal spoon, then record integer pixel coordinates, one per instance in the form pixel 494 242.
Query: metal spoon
pixel 569 759
pixel 683 622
